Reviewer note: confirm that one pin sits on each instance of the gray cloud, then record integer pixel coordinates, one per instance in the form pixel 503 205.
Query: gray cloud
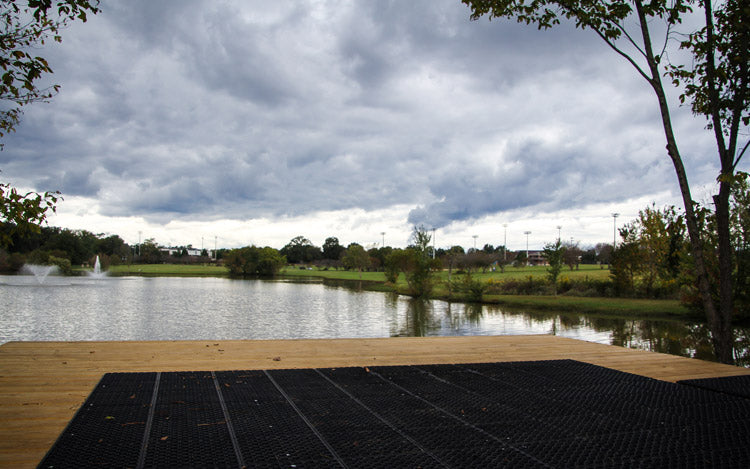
pixel 230 109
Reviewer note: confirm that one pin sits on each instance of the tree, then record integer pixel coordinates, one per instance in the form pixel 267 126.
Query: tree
pixel 416 262
pixel 604 252
pixel 332 249
pixel 355 257
pixel 555 255
pixel 717 80
pixel 648 258
pixel 573 254
pixel 300 250
pixel 23 214
pixel 451 258
pixel 149 252
pixel 378 255
pixel 740 234
pixel 253 261
pixel 25 29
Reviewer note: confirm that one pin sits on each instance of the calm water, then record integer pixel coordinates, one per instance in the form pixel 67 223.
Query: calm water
pixel 141 308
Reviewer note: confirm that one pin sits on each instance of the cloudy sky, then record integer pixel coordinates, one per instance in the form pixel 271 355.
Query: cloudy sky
pixel 251 122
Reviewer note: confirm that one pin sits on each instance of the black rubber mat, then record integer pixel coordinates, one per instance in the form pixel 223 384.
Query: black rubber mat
pixel 558 413
pixel 734 385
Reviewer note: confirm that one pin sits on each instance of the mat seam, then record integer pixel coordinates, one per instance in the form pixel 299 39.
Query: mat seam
pixel 228 420
pixel 456 417
pixel 384 420
pixel 149 422
pixel 305 419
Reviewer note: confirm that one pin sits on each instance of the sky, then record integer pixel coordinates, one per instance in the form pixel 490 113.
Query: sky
pixel 231 123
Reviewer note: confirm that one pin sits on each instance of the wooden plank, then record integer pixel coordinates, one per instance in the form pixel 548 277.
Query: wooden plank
pixel 42 384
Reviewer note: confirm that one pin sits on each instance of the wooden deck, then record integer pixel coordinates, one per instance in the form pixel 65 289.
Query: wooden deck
pixel 42 384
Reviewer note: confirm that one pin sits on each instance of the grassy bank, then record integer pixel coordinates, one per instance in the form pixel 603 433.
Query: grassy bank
pixel 375 281
pixel 169 270
pixel 621 307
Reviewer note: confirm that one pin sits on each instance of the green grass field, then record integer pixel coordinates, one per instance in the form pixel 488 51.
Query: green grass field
pixel 175 270
pixel 592 272
pixel 622 307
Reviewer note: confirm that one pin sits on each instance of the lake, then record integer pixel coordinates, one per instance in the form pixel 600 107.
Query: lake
pixel 164 308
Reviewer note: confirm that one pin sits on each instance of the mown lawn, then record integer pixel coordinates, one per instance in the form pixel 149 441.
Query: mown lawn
pixel 625 307
pixel 178 270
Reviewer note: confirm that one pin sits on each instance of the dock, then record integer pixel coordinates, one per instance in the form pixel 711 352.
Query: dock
pixel 42 384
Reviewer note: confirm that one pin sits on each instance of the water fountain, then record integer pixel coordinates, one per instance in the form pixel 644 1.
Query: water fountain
pixel 97 273
pixel 40 272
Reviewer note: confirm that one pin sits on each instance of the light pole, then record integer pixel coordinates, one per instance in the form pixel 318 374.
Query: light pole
pixel 559 231
pixel 382 233
pixel 216 238
pixel 527 233
pixel 433 243
pixel 614 230
pixel 505 242
pixel 475 241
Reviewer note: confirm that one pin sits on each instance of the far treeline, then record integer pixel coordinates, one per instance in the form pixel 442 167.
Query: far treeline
pixel 651 260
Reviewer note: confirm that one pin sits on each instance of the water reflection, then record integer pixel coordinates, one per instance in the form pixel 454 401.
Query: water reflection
pixel 139 308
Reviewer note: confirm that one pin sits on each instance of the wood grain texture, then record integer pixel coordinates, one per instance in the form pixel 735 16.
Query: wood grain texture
pixel 42 384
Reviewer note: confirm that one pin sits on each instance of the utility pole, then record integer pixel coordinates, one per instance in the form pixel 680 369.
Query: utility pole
pixel 614 230
pixel 527 233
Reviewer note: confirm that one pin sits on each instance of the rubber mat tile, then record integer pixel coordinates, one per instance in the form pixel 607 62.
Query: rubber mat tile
pixel 123 388
pixel 728 411
pixel 477 456
pixel 448 437
pixel 734 385
pixel 396 460
pixel 688 460
pixel 716 436
pixel 471 380
pixel 283 450
pixel 289 436
pixel 522 431
pixel 646 418
pixel 584 425
pixel 632 445
pixel 243 385
pixel 572 373
pixel 565 452
pixel 189 426
pixel 109 426
pixel 509 375
pixel 96 445
pixel 358 444
pixel 184 444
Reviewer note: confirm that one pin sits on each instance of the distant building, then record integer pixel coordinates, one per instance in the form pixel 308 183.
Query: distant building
pixel 191 251
pixel 537 258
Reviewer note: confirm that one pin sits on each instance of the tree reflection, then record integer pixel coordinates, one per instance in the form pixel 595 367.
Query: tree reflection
pixel 431 317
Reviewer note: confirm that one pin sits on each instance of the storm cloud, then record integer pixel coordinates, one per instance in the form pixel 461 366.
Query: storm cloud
pixel 181 111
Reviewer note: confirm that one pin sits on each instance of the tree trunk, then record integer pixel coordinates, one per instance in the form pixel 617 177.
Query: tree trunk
pixel 722 330
pixel 718 319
